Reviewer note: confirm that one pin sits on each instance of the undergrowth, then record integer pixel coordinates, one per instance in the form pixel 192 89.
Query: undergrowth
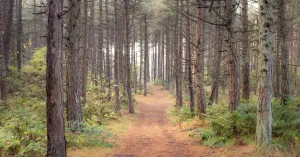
pixel 23 117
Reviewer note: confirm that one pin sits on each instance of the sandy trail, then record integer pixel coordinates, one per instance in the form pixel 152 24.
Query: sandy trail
pixel 154 135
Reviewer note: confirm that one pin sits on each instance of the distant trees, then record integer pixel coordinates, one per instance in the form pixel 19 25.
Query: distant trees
pixel 191 47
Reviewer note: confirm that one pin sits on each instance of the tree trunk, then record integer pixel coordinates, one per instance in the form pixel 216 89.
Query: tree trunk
pixel 74 109
pixel 146 56
pixel 233 64
pixel 56 144
pixel 2 64
pixel 189 58
pixel 108 78
pixel 141 53
pixel 264 109
pixel 277 65
pixel 19 39
pixel 92 45
pixel 8 19
pixel 85 55
pixel 199 69
pixel 116 65
pixel 127 49
pixel 100 42
pixel 285 84
pixel 246 65
pixel 168 56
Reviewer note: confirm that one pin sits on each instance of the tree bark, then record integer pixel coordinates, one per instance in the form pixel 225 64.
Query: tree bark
pixel 100 42
pixel 199 69
pixel 285 84
pixel 8 19
pixel 233 64
pixel 116 65
pixel 264 109
pixel 74 108
pixel 141 53
pixel 108 77
pixel 146 56
pixel 56 144
pixel 19 39
pixel 189 58
pixel 127 49
pixel 246 64
pixel 85 55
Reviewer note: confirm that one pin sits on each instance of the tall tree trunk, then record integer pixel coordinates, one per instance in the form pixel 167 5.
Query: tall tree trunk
pixel 163 59
pixel 116 65
pixel 233 64
pixel 277 64
pixel 141 53
pixel 264 109
pixel 6 44
pixel 134 66
pixel 85 55
pixel 168 56
pixel 74 109
pixel 100 42
pixel 177 59
pixel 189 57
pixel 284 41
pixel 107 52
pixel 146 60
pixel 19 39
pixel 91 45
pixel 35 36
pixel 198 68
pixel 246 65
pixel 56 144
pixel 127 49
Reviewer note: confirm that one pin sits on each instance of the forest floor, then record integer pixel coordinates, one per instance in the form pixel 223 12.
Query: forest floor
pixel 152 134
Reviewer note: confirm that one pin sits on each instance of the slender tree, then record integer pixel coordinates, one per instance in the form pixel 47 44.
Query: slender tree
pixel 56 145
pixel 116 65
pixel 198 67
pixel 145 55
pixel 264 109
pixel 284 41
pixel 246 65
pixel 127 52
pixel 189 58
pixel 74 107
pixel 8 19
pixel 85 55
pixel 19 38
pixel 108 77
pixel 233 60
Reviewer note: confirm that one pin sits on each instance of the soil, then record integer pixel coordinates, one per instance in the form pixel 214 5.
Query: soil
pixel 154 135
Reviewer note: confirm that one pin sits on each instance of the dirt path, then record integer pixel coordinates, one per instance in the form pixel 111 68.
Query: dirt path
pixel 154 135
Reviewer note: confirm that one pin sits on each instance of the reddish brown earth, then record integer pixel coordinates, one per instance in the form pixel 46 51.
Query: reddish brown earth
pixel 155 136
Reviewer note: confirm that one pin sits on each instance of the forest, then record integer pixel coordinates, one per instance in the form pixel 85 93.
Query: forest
pixel 149 78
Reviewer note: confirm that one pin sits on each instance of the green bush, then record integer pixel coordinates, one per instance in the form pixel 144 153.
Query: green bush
pixel 220 120
pixel 22 133
pixel 225 126
pixel 286 122
pixel 92 135
pixel 23 124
